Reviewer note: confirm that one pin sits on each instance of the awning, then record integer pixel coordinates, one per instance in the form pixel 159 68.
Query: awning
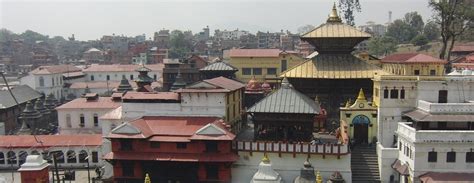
pixel 438 177
pixel 178 157
pixel 401 169
pixel 419 115
pixel 169 139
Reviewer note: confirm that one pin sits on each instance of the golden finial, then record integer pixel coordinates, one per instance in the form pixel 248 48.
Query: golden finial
pixel 348 103
pixel 319 179
pixel 147 179
pixel 333 17
pixel 265 158
pixel 361 95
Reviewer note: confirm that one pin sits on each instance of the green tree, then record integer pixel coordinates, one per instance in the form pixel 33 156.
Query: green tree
pixel 454 18
pixel 419 40
pixel 179 44
pixel 414 20
pixel 31 36
pixel 7 35
pixel 401 31
pixel 348 7
pixel 431 31
pixel 382 45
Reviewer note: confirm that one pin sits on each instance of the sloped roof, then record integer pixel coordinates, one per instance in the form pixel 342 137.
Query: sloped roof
pixel 411 58
pixel 83 103
pixel 286 100
pixel 254 52
pixel 225 83
pixel 219 66
pixel 25 141
pixel 22 93
pixel 334 66
pixel 335 30
pixel 214 85
pixel 463 48
pixel 55 69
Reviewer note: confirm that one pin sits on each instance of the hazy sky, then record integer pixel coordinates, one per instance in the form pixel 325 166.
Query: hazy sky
pixel 89 19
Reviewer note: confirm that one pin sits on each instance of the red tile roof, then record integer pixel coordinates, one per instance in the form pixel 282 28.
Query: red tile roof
pixel 151 96
pixel 26 141
pixel 178 157
pixel 447 177
pixel 463 48
pixel 412 58
pixel 120 68
pixel 55 69
pixel 225 83
pixel 105 84
pixel 169 127
pixel 82 103
pixel 254 52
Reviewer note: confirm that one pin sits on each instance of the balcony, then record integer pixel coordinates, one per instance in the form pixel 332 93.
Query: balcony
pixel 436 108
pixel 434 136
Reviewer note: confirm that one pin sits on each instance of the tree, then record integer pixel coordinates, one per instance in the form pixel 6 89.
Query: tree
pixel 414 20
pixel 31 36
pixel 431 31
pixel 454 18
pixel 180 45
pixel 305 29
pixel 382 45
pixel 348 7
pixel 419 40
pixel 401 31
pixel 6 35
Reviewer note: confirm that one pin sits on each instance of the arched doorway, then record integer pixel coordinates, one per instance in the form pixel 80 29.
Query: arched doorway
pixel 361 129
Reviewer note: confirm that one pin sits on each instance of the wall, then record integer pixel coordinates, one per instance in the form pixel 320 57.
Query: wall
pixel 409 69
pixel 386 157
pixel 193 147
pixel 75 118
pixel 117 76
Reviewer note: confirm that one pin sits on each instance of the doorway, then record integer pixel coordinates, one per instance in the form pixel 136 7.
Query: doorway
pixel 361 129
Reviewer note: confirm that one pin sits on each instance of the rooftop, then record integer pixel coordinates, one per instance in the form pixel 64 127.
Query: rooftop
pixel 83 103
pixel 26 141
pixel 463 48
pixel 106 84
pixel 121 68
pixel 219 66
pixel 254 53
pixel 218 84
pixel 22 93
pixel 151 96
pixel 410 58
pixel 55 69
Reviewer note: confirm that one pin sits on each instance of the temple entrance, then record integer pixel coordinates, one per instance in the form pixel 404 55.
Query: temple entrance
pixel 171 172
pixel 361 129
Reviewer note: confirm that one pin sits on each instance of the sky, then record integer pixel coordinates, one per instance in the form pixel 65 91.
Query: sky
pixel 91 19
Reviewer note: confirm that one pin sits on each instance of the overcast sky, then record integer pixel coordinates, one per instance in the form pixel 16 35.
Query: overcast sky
pixel 89 19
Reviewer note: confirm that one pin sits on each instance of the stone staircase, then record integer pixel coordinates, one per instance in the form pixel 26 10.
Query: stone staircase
pixel 364 165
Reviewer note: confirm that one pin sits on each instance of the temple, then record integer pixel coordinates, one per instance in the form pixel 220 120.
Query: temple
pixel 334 74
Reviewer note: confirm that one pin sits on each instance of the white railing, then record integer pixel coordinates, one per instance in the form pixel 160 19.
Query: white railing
pixel 298 148
pixel 435 136
pixel 446 107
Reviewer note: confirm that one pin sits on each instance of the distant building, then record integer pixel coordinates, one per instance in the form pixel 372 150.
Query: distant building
pixel 115 72
pixel 218 68
pixel 9 110
pixel 413 64
pixel 373 28
pixel 93 55
pixel 188 68
pixel 461 50
pixel 162 39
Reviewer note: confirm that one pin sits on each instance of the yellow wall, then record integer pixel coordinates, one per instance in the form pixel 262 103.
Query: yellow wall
pixel 360 107
pixel 264 63
pixel 233 109
pixel 409 69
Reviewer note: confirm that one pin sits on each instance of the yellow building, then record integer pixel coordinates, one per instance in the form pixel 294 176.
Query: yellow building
pixel 413 64
pixel 263 64
pixel 361 118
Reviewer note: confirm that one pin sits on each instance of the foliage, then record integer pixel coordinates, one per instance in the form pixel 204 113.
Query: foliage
pixel 348 7
pixel 415 21
pixel 382 45
pixel 30 36
pixel 419 40
pixel 180 45
pixel 304 29
pixel 401 31
pixel 6 35
pixel 431 31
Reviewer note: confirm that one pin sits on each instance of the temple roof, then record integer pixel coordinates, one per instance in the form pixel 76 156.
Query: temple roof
pixel 334 66
pixel 219 66
pixel 286 100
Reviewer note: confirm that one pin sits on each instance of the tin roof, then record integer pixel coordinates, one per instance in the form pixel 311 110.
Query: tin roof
pixel 334 66
pixel 286 100
pixel 409 58
pixel 22 93
pixel 219 66
pixel 26 141
pixel 214 85
pixel 335 30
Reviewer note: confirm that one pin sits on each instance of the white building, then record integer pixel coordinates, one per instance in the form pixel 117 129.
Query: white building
pixel 115 72
pixel 437 101
pixel 49 79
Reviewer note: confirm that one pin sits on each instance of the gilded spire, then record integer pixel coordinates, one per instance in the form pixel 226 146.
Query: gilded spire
pixel 147 179
pixel 361 95
pixel 333 17
pixel 265 158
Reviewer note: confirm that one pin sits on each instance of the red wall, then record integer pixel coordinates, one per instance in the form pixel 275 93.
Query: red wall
pixel 170 147
pixel 41 176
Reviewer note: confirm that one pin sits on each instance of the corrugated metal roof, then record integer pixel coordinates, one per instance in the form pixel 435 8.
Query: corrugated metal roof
pixel 219 66
pixel 334 66
pixel 22 93
pixel 286 100
pixel 335 30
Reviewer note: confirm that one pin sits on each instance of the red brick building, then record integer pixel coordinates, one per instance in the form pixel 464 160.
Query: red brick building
pixel 172 149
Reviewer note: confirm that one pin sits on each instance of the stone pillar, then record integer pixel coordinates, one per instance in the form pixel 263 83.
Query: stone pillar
pixel 34 170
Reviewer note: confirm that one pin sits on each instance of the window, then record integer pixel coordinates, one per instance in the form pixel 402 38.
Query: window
pixel 211 146
pixel 451 157
pixel 442 125
pixel 41 81
pixel 22 157
pixel 212 172
pixel 271 71
pixel 284 65
pixel 402 93
pixel 68 120
pixel 11 156
pixel 126 145
pixel 246 71
pixel 60 157
pixel 82 120
pixel 131 76
pixel 92 77
pixel 96 120
pixel 417 72
pixel 432 72
pixel 2 158
pixel 95 157
pixel 393 93
pixel 154 77
pixel 469 157
pixel 385 93
pixel 181 145
pixel 443 96
pixel 71 157
pixel 155 144
pixel 108 77
pixel 83 156
pixel 257 71
pixel 52 81
pixel 432 156
pixel 400 146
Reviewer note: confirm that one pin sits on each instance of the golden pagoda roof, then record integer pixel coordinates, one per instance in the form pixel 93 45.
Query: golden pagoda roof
pixel 334 66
